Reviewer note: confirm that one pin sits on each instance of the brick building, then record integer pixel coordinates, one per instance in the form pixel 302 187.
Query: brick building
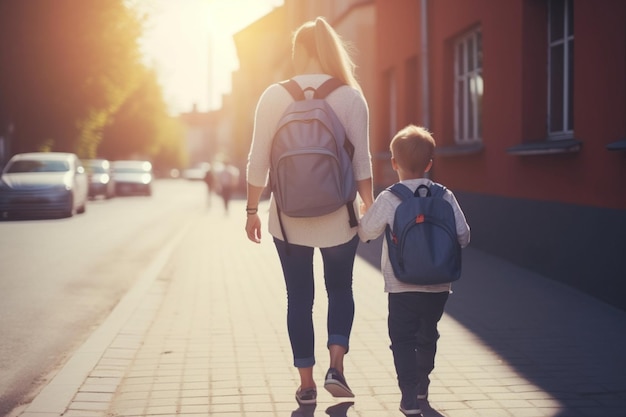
pixel 527 102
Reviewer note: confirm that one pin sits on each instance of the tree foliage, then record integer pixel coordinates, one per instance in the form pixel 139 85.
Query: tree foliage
pixel 71 68
pixel 142 127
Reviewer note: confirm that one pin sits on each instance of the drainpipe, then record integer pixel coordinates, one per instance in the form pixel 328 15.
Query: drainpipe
pixel 424 55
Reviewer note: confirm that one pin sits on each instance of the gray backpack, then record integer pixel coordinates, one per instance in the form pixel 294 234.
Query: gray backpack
pixel 311 157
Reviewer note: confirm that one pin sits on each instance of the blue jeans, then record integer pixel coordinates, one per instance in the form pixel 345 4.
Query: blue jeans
pixel 298 272
pixel 413 318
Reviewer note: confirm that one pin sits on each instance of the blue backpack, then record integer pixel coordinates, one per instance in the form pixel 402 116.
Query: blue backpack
pixel 311 170
pixel 423 246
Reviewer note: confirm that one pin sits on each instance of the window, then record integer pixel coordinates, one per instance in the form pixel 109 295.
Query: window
pixel 560 69
pixel 550 76
pixel 468 88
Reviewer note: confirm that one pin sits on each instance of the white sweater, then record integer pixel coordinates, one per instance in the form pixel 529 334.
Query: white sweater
pixel 382 213
pixel 351 108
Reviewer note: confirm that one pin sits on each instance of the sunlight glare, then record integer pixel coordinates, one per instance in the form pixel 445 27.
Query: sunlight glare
pixel 189 43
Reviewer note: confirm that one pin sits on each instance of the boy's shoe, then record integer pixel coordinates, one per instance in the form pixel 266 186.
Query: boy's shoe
pixel 410 407
pixel 307 396
pixel 336 384
pixel 409 404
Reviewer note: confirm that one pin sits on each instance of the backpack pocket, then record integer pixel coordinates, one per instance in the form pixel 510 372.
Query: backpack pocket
pixel 308 182
pixel 425 250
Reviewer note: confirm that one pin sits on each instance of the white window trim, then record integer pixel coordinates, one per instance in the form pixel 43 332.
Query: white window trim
pixel 462 75
pixel 563 132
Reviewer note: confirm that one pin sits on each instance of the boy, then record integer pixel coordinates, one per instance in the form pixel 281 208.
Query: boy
pixel 414 310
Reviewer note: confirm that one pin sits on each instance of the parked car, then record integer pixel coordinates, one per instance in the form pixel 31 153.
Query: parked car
pixel 132 177
pixel 100 179
pixel 43 183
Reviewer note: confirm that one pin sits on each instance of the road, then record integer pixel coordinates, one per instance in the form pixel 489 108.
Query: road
pixel 60 278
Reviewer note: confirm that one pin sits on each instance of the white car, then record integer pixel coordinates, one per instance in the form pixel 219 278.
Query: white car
pixel 43 183
pixel 132 177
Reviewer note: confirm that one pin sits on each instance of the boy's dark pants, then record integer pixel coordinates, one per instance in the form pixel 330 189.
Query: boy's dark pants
pixel 413 318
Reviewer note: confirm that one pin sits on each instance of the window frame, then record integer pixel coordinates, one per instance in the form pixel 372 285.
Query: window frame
pixel 565 40
pixel 468 87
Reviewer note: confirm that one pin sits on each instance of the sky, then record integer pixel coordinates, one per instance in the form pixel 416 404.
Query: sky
pixel 182 38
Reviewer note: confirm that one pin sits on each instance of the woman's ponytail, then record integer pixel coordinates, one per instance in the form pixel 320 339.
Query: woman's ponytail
pixel 332 52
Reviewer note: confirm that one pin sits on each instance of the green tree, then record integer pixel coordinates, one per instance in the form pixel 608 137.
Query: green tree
pixel 65 67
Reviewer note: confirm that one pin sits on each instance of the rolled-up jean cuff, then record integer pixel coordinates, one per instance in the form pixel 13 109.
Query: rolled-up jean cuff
pixel 337 339
pixel 304 362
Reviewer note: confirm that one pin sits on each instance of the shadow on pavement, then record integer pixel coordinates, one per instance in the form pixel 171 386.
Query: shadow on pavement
pixel 337 410
pixel 341 410
pixel 564 342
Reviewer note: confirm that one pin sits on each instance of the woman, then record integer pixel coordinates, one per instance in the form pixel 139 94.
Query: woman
pixel 318 53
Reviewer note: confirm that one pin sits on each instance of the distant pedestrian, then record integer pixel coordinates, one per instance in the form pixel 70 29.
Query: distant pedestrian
pixel 318 54
pixel 227 180
pixel 414 310
pixel 209 181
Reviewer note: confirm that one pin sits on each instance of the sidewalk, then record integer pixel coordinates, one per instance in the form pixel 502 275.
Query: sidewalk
pixel 204 333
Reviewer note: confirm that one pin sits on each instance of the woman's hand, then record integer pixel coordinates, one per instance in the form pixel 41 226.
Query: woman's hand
pixel 362 209
pixel 365 188
pixel 253 227
pixel 253 222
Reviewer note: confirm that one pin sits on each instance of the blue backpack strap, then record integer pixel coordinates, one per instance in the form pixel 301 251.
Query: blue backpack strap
pixel 328 87
pixel 293 88
pixel 401 191
pixel 437 190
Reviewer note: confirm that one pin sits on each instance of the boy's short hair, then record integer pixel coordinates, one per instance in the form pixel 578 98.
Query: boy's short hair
pixel 413 148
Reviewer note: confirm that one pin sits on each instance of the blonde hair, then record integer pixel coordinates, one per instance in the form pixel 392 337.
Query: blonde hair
pixel 321 41
pixel 413 148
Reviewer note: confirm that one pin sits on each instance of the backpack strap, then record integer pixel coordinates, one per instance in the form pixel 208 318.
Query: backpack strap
pixel 282 229
pixel 321 92
pixel 437 190
pixel 328 87
pixel 293 88
pixel 401 191
pixel 420 187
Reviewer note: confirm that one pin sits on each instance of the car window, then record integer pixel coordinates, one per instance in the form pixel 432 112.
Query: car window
pixel 26 165
pixel 135 168
pixel 98 169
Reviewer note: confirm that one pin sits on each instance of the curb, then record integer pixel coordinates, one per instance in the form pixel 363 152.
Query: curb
pixel 57 395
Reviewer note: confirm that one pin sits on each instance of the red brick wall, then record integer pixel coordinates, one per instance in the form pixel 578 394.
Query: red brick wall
pixel 515 96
